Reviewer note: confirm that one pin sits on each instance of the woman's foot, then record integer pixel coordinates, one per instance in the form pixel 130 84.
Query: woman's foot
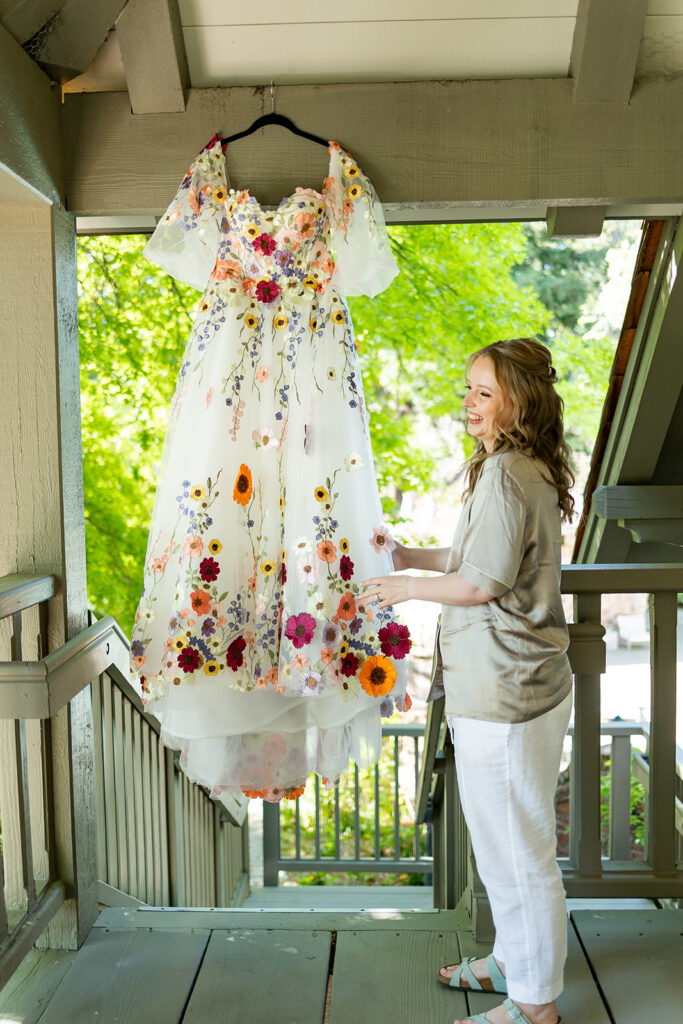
pixel 544 1013
pixel 479 969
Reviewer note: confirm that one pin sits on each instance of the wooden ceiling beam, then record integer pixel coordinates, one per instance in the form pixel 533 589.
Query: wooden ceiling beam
pixel 605 49
pixel 474 143
pixel 153 51
pixel 575 221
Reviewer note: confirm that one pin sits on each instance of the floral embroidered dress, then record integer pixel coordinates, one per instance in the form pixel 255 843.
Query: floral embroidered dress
pixel 250 641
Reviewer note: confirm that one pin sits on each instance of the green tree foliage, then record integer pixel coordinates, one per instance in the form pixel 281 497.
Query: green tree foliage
pixel 460 287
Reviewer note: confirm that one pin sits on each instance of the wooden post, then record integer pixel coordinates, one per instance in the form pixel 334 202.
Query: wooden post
pixel 662 750
pixel 584 829
pixel 41 521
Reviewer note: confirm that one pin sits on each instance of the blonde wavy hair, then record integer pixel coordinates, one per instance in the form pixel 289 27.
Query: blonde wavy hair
pixel 524 371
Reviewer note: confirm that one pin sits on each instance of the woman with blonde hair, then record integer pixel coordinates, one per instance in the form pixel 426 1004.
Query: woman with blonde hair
pixel 501 661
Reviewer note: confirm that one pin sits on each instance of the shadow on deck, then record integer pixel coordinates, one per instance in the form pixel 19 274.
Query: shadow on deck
pixel 317 967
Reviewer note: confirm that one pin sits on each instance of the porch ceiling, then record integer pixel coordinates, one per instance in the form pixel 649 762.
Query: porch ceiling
pixel 385 40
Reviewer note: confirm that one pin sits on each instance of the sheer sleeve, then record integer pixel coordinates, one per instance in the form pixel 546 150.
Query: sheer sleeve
pixel 364 262
pixel 185 241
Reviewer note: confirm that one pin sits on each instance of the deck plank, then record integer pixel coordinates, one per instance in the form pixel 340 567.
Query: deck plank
pixel 125 918
pixel 389 975
pixel 140 977
pixel 636 956
pixel 344 898
pixel 247 974
pixel 32 985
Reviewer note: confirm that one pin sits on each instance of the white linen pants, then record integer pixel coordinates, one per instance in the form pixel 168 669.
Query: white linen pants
pixel 507 775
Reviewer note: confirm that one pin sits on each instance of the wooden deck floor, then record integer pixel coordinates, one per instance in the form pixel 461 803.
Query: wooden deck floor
pixel 161 966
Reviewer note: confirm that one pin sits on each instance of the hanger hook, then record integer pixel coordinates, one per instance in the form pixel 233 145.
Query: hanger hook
pixel 272 97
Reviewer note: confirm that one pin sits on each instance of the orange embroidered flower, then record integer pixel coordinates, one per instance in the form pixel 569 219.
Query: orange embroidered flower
pixel 200 601
pixel 377 676
pixel 347 607
pixel 225 269
pixel 334 145
pixel 243 488
pixel 292 794
pixel 326 551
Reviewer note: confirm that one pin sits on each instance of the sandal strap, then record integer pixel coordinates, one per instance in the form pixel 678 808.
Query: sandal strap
pixel 495 974
pixel 466 970
pixel 516 1015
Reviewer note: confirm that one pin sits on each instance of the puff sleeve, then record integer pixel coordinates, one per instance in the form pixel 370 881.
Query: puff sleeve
pixel 364 262
pixel 185 241
pixel 492 547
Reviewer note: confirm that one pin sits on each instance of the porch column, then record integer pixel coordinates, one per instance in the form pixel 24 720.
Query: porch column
pixel 41 512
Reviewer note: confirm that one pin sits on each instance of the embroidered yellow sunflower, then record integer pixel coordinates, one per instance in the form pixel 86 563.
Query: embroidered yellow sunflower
pixel 321 494
pixel 197 493
pixel 215 546
pixel 251 321
pixel 220 195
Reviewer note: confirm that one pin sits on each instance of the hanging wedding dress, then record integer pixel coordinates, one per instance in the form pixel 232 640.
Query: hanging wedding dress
pixel 251 644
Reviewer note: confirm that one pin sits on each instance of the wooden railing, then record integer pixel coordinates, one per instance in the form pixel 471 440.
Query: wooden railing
pixel 354 851
pixel 160 839
pixel 586 872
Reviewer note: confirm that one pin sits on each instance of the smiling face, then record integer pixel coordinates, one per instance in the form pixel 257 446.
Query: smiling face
pixel 487 406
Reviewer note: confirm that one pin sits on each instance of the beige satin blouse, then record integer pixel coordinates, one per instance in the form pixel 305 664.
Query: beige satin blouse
pixel 506 660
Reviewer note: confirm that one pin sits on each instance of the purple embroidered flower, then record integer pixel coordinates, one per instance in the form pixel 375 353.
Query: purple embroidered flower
pixel 283 258
pixel 300 629
pixel 355 625
pixel 331 634
pixel 208 627
pixel 386 708
pixel 137 649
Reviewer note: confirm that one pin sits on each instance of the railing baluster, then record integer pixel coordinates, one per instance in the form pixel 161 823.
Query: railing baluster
pixel 100 799
pixel 336 822
pixel 25 814
pixel 317 817
pixel 620 798
pixel 119 791
pixel 174 820
pixel 111 818
pixel 131 823
pixel 297 828
pixel 140 808
pixel 378 844
pixel 397 811
pixel 417 828
pixel 356 815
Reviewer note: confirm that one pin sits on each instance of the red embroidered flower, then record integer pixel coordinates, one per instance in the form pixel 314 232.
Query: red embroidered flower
pixel 189 659
pixel 349 665
pixel 346 567
pixel 395 640
pixel 209 569
pixel 234 656
pixel 300 629
pixel 267 291
pixel 265 243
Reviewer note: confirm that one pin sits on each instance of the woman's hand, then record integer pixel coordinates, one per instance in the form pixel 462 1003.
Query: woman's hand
pixel 383 591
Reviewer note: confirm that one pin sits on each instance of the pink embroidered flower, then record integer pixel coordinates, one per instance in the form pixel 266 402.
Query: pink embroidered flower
pixel 261 374
pixel 404 703
pixel 395 640
pixel 326 655
pixel 159 564
pixel 307 569
pixel 267 291
pixel 300 661
pixel 234 656
pixel 382 540
pixel 193 546
pixel 265 438
pixel 265 243
pixel 300 629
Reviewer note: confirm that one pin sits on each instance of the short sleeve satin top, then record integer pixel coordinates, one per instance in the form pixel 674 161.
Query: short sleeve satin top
pixel 505 660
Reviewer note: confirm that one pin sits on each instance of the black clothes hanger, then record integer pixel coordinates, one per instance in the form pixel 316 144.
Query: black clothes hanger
pixel 275 119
